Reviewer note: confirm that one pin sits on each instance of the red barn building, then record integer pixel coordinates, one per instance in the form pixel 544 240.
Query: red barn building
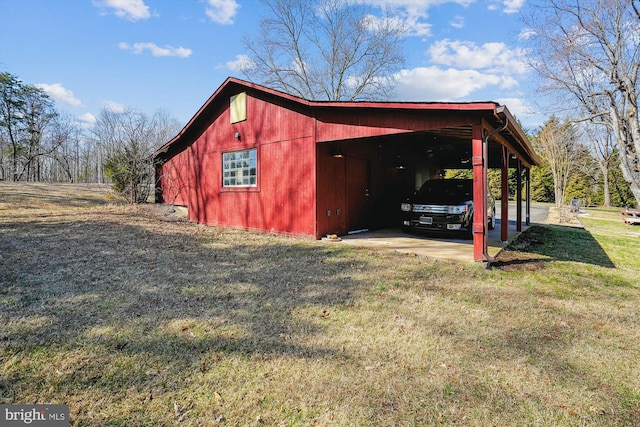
pixel 258 159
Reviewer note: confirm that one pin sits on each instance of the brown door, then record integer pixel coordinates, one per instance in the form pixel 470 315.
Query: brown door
pixel 357 186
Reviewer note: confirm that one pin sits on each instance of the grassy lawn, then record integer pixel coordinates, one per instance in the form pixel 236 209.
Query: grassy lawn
pixel 133 316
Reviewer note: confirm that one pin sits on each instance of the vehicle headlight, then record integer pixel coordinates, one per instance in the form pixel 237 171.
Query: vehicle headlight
pixel 405 207
pixel 457 210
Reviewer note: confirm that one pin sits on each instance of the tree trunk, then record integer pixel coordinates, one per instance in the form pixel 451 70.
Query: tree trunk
pixel 628 139
pixel 605 185
pixel 14 172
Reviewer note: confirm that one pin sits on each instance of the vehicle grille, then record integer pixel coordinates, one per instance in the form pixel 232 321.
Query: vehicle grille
pixel 441 209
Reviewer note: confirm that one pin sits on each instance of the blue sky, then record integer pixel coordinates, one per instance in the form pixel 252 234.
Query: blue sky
pixel 173 54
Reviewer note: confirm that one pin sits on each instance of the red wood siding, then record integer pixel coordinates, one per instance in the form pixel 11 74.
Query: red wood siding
pixel 283 200
pixel 479 162
pixel 331 192
pixel 341 124
pixel 174 180
pixel 358 185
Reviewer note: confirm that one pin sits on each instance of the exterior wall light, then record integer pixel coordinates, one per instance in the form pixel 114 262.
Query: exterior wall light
pixel 336 152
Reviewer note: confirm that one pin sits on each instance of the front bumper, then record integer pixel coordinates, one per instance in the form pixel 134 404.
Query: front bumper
pixel 444 222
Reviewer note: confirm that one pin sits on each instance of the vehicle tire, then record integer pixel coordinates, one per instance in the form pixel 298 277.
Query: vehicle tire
pixel 468 234
pixel 492 221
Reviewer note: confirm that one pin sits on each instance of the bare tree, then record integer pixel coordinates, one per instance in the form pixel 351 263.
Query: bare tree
pixel 37 143
pixel 590 51
pixel 38 115
pixel 558 146
pixel 603 149
pixel 61 148
pixel 325 50
pixel 125 141
pixel 11 105
pixel 26 112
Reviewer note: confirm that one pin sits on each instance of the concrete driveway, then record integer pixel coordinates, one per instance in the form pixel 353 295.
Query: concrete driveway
pixel 442 246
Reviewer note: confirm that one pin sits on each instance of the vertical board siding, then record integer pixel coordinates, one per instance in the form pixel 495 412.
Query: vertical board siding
pixel 283 200
pixel 174 180
pixel 331 193
pixel 340 124
pixel 288 185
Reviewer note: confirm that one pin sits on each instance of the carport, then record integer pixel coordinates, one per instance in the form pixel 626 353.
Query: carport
pixel 372 156
pixel 438 245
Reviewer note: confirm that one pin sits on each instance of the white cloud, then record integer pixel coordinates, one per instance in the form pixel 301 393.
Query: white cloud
pixel 114 106
pixel 132 10
pixel 242 63
pixel 415 4
pixel 493 57
pixel 460 68
pixel 156 50
pixel 413 18
pixel 375 23
pixel 512 6
pixel 457 22
pixel 508 82
pixel 222 11
pixel 507 6
pixel 417 28
pixel 518 107
pixel 87 119
pixel 414 12
pixel 437 84
pixel 526 34
pixel 60 94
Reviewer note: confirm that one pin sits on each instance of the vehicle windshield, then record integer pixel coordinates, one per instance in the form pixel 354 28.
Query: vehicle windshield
pixel 445 191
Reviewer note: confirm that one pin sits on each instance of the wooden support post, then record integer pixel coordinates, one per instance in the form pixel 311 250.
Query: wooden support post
pixel 527 177
pixel 504 200
pixel 519 197
pixel 479 163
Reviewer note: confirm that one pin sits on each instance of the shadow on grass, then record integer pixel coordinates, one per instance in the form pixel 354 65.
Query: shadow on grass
pixel 164 295
pixel 540 244
pixel 137 308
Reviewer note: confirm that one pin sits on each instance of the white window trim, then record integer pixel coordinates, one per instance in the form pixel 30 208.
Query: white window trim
pixel 237 168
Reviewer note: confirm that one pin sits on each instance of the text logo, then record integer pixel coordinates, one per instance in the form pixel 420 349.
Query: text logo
pixel 34 415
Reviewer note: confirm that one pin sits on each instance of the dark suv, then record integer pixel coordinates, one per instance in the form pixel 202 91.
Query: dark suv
pixel 444 204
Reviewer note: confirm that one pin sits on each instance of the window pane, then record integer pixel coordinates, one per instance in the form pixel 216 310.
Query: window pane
pixel 240 168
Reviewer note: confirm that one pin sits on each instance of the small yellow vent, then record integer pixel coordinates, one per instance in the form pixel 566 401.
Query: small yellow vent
pixel 239 107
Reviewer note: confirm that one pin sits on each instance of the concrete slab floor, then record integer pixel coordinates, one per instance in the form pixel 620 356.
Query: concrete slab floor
pixel 448 246
pixel 440 246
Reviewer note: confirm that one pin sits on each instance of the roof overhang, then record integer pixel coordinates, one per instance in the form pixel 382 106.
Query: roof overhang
pixel 492 114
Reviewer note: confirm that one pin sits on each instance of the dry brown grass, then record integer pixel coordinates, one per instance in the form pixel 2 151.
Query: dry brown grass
pixel 133 316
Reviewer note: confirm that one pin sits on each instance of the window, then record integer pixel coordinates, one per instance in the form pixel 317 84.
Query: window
pixel 239 168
